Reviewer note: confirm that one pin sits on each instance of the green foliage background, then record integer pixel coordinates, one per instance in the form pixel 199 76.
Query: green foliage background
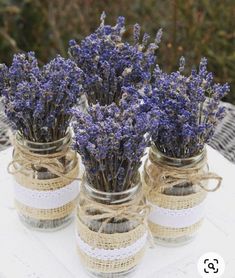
pixel 192 28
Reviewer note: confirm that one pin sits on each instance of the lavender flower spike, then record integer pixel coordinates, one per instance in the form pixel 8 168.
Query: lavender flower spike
pixel 184 109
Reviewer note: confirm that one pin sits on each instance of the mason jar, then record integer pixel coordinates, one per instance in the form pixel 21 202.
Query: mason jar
pixel 176 188
pixel 45 184
pixel 111 230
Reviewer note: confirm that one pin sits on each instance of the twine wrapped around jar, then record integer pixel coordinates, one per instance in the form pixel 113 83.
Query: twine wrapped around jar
pixel 177 194
pixel 46 186
pixel 104 248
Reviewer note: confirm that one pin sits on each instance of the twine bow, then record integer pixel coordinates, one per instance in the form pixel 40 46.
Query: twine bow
pixel 133 210
pixel 165 176
pixel 25 159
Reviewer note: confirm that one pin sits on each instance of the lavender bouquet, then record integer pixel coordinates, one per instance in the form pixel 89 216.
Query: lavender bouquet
pixel 38 100
pixel 188 109
pixel 110 64
pixel 111 141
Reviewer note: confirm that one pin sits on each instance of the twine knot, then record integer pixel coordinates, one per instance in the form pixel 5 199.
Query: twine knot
pixel 164 176
pixel 24 159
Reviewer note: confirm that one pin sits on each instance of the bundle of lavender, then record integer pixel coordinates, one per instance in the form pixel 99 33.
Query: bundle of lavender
pixel 187 109
pixel 111 141
pixel 110 63
pixel 38 100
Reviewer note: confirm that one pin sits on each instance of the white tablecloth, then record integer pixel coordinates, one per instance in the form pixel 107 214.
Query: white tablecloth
pixel 31 254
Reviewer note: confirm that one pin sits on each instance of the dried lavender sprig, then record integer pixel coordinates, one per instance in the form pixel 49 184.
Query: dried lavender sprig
pixel 38 100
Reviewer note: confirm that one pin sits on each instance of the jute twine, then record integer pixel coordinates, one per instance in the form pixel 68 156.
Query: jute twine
pixel 24 160
pixel 134 212
pixel 25 164
pixel 158 177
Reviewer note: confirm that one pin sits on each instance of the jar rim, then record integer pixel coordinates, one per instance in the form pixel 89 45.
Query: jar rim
pixel 179 161
pixel 20 136
pixel 41 148
pixel 104 195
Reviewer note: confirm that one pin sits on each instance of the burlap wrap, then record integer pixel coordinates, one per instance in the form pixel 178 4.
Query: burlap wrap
pixel 24 169
pixel 46 214
pixel 136 211
pixel 158 177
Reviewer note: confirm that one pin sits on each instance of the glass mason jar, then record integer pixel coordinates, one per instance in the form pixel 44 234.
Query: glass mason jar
pixel 111 230
pixel 176 189
pixel 45 187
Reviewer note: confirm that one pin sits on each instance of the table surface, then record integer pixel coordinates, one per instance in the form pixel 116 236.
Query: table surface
pixel 31 254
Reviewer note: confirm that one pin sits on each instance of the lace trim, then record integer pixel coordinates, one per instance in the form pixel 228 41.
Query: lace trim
pixel 180 218
pixel 50 199
pixel 112 254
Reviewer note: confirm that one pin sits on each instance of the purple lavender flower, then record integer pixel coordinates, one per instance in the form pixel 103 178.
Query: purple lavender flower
pixel 109 63
pixel 111 141
pixel 38 100
pixel 185 109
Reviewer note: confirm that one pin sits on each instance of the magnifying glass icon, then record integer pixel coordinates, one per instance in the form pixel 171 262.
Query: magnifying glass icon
pixel 211 266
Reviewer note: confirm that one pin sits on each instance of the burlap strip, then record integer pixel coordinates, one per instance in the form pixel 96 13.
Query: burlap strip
pixel 164 232
pixel 22 166
pixel 159 177
pixel 46 214
pixel 134 212
pixel 110 242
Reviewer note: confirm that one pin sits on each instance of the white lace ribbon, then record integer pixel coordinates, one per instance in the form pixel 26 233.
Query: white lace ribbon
pixel 180 218
pixel 114 254
pixel 50 199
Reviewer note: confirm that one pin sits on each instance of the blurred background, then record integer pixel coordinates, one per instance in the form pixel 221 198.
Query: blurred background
pixel 193 28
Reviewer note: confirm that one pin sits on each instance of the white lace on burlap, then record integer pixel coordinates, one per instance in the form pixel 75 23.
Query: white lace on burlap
pixel 112 254
pixel 49 199
pixel 177 218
